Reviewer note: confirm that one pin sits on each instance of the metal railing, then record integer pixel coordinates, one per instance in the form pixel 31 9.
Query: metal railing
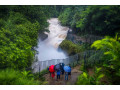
pixel 88 57
pixel 41 65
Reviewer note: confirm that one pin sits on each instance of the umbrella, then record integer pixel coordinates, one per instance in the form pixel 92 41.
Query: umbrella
pixel 51 68
pixel 57 67
pixel 67 69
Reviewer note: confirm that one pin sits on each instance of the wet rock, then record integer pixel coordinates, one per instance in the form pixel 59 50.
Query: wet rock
pixel 43 36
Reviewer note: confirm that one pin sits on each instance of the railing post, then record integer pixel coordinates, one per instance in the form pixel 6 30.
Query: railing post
pixel 77 58
pixel 95 58
pixel 85 61
pixel 73 64
pixel 39 70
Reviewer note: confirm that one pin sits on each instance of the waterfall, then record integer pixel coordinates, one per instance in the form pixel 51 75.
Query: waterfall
pixel 49 48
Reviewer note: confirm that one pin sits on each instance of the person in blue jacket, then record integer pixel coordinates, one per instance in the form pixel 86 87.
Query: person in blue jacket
pixel 66 75
pixel 58 74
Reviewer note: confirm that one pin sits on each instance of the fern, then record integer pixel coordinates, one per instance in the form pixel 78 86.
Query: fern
pixel 111 48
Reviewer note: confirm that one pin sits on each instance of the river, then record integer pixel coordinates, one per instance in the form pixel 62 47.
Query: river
pixel 49 48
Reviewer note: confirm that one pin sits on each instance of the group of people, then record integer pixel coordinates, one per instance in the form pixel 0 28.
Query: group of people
pixel 60 69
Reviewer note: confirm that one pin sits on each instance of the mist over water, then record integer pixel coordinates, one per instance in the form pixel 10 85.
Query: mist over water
pixel 49 48
pixel 48 52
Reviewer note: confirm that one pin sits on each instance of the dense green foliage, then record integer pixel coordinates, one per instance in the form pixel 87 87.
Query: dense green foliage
pixel 95 59
pixel 111 48
pixel 13 77
pixel 71 48
pixel 70 15
pixel 19 29
pixel 107 58
pixel 31 13
pixel 40 75
pixel 85 79
pixel 98 20
pixel 65 17
pixel 18 36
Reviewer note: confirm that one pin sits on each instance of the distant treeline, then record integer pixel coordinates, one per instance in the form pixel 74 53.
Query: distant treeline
pixel 97 20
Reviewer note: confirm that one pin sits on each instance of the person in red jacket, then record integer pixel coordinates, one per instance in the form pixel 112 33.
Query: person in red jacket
pixel 52 70
pixel 53 74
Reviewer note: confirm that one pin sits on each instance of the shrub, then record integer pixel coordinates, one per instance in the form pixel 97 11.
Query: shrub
pixel 40 75
pixel 17 38
pixel 13 77
pixel 85 79
pixel 70 47
pixel 111 48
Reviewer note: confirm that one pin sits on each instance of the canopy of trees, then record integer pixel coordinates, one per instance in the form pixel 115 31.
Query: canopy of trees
pixel 19 28
pixel 98 20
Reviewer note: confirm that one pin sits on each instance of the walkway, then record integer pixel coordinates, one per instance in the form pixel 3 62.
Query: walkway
pixel 71 79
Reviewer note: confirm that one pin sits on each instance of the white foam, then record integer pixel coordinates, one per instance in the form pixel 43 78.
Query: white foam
pixel 48 49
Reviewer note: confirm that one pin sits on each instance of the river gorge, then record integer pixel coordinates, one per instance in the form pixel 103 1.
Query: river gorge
pixel 48 49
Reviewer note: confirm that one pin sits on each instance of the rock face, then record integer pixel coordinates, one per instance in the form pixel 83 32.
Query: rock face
pixel 43 36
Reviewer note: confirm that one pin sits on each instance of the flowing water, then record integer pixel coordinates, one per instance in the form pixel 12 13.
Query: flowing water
pixel 49 48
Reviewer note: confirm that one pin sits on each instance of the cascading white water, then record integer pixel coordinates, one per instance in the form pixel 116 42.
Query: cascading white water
pixel 49 48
